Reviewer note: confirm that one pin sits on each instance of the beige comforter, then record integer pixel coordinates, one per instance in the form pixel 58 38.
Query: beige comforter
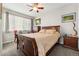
pixel 44 41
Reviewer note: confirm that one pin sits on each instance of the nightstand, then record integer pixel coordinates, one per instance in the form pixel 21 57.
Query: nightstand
pixel 71 42
pixel 35 31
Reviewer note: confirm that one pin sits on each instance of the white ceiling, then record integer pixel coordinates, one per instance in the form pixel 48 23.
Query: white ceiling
pixel 23 8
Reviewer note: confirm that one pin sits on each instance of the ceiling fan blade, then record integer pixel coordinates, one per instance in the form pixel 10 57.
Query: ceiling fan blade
pixel 40 7
pixel 30 9
pixel 29 5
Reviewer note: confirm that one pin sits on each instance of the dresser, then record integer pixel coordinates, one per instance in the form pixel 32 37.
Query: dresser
pixel 71 42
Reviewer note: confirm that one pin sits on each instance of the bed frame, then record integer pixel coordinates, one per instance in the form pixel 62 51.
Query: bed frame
pixel 28 45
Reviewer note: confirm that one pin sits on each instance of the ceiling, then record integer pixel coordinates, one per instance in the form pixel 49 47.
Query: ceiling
pixel 23 8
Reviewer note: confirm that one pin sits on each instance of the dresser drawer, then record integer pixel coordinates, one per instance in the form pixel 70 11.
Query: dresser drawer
pixel 71 42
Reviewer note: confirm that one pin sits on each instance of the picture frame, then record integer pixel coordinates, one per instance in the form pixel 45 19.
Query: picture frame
pixel 71 17
pixel 37 21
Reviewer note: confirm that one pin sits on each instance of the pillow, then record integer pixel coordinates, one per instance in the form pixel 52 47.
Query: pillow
pixel 42 31
pixel 50 31
pixel 53 28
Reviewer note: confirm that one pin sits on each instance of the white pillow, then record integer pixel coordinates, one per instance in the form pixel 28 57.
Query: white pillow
pixel 42 31
pixel 50 31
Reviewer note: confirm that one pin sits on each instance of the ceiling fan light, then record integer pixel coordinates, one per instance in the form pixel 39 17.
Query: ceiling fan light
pixel 34 8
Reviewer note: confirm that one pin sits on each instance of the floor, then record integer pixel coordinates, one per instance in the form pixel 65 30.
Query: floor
pixel 59 50
pixel 10 50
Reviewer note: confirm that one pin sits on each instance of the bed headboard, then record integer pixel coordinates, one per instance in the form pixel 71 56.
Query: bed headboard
pixel 50 27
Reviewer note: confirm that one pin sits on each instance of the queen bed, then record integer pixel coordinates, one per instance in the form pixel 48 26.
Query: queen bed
pixel 40 43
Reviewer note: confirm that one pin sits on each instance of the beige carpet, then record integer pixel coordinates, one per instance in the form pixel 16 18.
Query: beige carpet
pixel 10 50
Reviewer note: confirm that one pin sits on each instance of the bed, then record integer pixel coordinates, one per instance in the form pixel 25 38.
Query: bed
pixel 40 43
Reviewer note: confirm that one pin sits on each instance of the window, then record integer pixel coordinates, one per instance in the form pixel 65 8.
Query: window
pixel 11 22
pixel 17 23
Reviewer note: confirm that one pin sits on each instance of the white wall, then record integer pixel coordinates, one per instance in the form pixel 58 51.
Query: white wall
pixel 51 18
pixel 67 28
pixel 8 37
pixel 0 30
pixel 0 34
pixel 78 25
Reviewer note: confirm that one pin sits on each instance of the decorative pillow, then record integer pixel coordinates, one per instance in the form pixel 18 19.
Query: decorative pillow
pixel 42 31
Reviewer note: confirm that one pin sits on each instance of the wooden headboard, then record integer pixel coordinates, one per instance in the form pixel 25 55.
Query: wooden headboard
pixel 50 27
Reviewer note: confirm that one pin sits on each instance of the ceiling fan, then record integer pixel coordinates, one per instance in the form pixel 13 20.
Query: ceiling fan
pixel 36 6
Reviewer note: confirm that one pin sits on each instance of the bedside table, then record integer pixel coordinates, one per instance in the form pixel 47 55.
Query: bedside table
pixel 71 42
pixel 34 31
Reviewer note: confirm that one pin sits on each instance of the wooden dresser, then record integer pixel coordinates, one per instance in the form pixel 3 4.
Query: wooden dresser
pixel 71 42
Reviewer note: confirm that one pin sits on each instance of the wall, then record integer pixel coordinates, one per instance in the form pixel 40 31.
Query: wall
pixel 0 34
pixel 8 37
pixel 67 28
pixel 50 18
pixel 78 25
pixel 0 29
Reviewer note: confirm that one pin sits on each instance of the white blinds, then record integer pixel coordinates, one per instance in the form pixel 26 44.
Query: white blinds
pixel 11 22
pixel 18 23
